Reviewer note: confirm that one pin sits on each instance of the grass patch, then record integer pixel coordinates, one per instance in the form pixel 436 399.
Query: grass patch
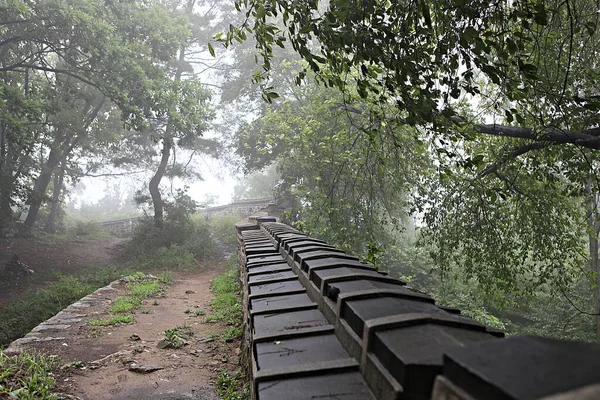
pixel 176 338
pixel 146 288
pixel 27 376
pixel 232 332
pixel 166 277
pixel 19 317
pixel 140 288
pixel 232 387
pixel 114 320
pixel 227 304
pixel 125 304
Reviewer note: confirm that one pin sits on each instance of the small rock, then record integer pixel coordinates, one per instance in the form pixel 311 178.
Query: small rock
pixel 205 340
pixel 135 337
pixel 146 369
pixel 189 292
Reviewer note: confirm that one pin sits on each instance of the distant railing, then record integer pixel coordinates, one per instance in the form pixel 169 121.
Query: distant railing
pixel 243 208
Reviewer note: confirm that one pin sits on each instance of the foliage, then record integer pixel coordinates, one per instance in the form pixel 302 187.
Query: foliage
pixel 125 304
pixel 21 316
pixel 257 185
pixel 178 244
pixel 502 99
pixel 223 228
pixel 27 376
pixel 345 178
pixel 145 288
pixel 111 321
pixel 87 229
pixel 227 305
pixel 232 387
pixel 175 338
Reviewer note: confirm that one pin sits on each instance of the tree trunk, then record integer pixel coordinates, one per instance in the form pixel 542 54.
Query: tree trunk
pixel 38 193
pixel 58 183
pixel 593 230
pixel 5 183
pixel 157 201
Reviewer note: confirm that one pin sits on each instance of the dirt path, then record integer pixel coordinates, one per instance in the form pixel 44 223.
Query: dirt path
pixel 102 357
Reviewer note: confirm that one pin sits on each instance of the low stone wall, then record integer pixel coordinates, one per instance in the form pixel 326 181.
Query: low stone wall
pixel 70 319
pixel 322 324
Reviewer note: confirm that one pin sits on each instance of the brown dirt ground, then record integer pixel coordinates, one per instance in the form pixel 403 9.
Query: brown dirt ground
pixel 188 373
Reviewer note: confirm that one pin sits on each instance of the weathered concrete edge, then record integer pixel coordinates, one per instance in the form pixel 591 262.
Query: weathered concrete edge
pixel 71 317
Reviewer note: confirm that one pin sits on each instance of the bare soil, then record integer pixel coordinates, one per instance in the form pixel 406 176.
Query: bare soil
pixel 104 355
pixel 108 353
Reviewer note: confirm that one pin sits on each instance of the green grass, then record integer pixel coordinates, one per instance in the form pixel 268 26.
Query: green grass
pixel 125 304
pixel 176 338
pixel 227 304
pixel 166 277
pixel 27 376
pixel 114 320
pixel 145 289
pixel 223 228
pixel 19 317
pixel 232 387
pixel 232 332
pixel 140 289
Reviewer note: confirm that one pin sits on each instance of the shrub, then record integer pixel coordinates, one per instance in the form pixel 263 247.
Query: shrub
pixel 223 228
pixel 176 245
pixel 87 229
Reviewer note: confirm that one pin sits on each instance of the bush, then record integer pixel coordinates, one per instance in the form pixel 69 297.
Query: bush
pixel 87 229
pixel 177 245
pixel 223 228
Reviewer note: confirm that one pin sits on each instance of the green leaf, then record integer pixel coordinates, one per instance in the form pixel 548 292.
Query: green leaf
pixel 211 50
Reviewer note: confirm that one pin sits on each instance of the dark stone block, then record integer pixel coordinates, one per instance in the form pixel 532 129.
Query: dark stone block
pixel 262 260
pixel 266 219
pixel 260 250
pixel 281 302
pixel 288 322
pixel 318 276
pixel 520 368
pixel 316 252
pixel 269 268
pixel 302 350
pixel 414 354
pixel 274 275
pixel 276 288
pixel 333 262
pixel 289 245
pixel 245 226
pixel 356 312
pixel 340 385
pixel 353 286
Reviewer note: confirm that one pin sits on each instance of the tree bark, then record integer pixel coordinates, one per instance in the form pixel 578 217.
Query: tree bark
pixel 593 230
pixel 53 216
pixel 153 186
pixel 157 201
pixel 38 193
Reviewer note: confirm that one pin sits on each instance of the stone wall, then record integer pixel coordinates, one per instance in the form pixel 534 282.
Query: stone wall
pixel 320 324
